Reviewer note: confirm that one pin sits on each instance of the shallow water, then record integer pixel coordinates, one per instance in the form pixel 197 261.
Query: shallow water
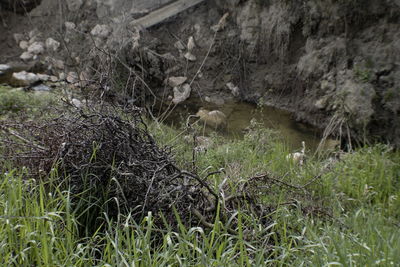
pixel 239 115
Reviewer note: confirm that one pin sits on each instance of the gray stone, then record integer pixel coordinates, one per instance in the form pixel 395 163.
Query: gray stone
pixel 24 45
pixel 101 31
pixel 189 56
pixel 4 67
pixel 176 81
pixel 77 103
pixel 26 56
pixel 52 44
pixel 69 26
pixel 233 88
pixel 56 63
pixel 23 78
pixel 36 48
pixel 61 76
pixel 43 77
pixel 181 93
pixel 41 88
pixel 72 77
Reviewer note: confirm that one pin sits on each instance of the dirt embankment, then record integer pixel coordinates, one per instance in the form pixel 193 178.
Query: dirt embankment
pixel 334 64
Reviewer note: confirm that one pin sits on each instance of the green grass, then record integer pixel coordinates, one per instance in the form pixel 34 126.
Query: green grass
pixel 347 215
pixel 13 101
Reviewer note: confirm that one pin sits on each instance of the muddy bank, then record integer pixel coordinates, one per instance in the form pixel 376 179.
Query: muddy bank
pixel 333 64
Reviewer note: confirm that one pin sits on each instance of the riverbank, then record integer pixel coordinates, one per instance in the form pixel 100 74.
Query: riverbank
pixel 341 208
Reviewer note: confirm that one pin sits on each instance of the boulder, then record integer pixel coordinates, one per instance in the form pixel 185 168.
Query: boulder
pixel 181 93
pixel 23 78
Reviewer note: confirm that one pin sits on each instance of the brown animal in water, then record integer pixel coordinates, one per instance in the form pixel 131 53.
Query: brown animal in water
pixel 215 118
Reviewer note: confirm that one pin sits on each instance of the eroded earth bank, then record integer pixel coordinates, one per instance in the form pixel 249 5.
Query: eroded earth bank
pixel 333 64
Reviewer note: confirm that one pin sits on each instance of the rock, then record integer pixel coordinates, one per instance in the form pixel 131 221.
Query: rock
pixel 178 45
pixel 214 118
pixel 61 76
pixel 176 81
pixel 76 102
pixel 56 63
pixel 233 88
pixel 18 37
pixel 23 78
pixel 181 93
pixel 83 79
pixel 43 77
pixel 4 68
pixel 26 56
pixel 23 45
pixel 191 44
pixel 101 31
pixel 41 88
pixel 53 79
pixel 36 48
pixel 189 56
pixel 72 77
pixel 74 5
pixel 52 44
pixel 69 26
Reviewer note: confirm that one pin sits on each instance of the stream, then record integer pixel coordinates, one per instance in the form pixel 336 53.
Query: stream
pixel 239 115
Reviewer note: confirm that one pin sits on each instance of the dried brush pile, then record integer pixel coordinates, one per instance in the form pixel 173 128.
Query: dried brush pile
pixel 110 163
